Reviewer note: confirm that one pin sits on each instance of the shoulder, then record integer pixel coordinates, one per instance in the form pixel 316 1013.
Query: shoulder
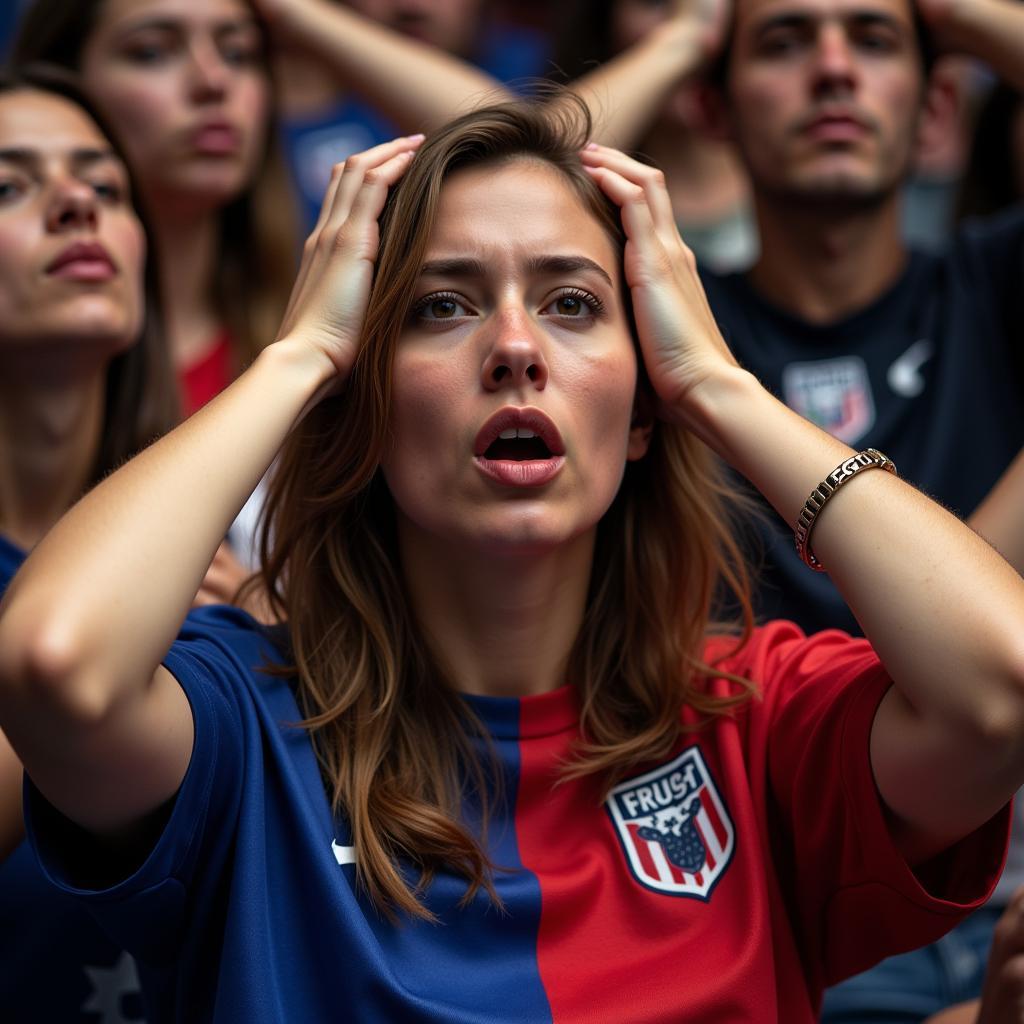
pixel 227 645
pixel 780 651
pixel 997 243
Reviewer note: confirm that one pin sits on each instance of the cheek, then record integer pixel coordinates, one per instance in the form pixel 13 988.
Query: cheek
pixel 427 394
pixel 16 269
pixel 141 112
pixel 600 394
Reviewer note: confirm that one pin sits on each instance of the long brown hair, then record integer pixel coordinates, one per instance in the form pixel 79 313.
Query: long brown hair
pixel 393 739
pixel 141 400
pixel 258 237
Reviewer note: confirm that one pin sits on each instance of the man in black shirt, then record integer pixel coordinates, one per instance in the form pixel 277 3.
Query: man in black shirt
pixel 921 357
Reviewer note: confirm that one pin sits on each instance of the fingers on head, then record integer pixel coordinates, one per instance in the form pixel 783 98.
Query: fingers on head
pixel 604 162
pixel 372 173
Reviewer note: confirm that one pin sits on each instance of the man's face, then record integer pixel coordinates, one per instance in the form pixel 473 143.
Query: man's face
pixel 824 96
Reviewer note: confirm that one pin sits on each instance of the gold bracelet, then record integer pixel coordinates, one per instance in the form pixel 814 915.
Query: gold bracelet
pixel 870 458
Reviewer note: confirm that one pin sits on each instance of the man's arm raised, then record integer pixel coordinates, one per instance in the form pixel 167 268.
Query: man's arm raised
pixel 992 30
pixel 626 93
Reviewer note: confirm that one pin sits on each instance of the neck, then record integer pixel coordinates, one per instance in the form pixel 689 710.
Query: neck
pixel 501 625
pixel 823 264
pixel 706 181
pixel 50 430
pixel 187 243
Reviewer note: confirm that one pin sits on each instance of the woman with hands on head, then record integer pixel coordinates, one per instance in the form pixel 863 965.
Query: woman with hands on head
pixel 495 537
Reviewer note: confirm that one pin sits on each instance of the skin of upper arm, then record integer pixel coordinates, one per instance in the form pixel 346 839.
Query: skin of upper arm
pixel 936 784
pixel 110 776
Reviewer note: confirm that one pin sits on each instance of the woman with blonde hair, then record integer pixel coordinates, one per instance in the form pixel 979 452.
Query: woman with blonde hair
pixel 499 763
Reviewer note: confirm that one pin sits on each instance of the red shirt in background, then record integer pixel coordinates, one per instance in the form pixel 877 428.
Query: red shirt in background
pixel 208 377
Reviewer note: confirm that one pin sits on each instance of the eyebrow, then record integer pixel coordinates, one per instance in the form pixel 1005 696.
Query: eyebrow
pixel 467 267
pixel 31 158
pixel 801 19
pixel 157 23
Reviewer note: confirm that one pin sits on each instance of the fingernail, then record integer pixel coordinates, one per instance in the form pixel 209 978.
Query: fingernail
pixel 591 145
pixel 418 137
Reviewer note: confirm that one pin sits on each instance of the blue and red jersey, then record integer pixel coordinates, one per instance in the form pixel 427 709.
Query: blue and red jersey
pixel 730 881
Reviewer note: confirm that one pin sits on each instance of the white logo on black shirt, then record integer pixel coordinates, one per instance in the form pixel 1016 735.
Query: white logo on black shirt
pixel 904 375
pixel 835 394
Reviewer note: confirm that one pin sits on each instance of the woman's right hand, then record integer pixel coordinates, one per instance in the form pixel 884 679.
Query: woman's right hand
pixel 328 302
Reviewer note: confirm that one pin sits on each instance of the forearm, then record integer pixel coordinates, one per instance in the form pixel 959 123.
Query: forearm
pixel 944 612
pixel 416 86
pixel 992 30
pixel 99 601
pixel 626 93
pixel 1000 517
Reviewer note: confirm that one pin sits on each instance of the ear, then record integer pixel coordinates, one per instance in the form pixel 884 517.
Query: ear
pixel 641 426
pixel 712 111
pixel 938 127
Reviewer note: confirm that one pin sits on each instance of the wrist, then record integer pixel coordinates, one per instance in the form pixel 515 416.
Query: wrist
pixel 714 407
pixel 679 41
pixel 298 366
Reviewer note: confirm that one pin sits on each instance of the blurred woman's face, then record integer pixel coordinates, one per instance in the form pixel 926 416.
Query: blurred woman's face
pixel 184 85
pixel 514 378
pixel 72 249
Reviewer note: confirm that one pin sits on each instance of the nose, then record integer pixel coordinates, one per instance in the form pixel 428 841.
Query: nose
pixel 208 73
pixel 835 66
pixel 515 358
pixel 72 205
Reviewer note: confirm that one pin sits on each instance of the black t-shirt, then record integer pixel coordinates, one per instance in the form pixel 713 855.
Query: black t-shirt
pixel 931 373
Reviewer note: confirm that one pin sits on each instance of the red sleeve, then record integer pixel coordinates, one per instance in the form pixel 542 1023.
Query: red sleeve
pixel 852 897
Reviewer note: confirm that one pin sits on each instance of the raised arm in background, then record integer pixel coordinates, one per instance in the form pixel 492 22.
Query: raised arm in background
pixel 944 612
pixel 415 85
pixel 626 93
pixel 992 30
pixel 84 627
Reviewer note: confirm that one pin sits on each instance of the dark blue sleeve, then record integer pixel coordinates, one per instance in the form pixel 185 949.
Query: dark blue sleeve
pixel 216 659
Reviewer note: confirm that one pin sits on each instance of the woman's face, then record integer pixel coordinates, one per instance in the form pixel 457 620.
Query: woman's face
pixel 184 85
pixel 71 246
pixel 515 376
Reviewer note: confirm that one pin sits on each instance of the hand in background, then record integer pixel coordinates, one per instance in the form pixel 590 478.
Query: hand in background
pixel 712 19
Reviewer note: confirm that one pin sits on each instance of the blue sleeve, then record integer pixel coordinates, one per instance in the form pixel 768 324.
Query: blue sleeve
pixel 216 660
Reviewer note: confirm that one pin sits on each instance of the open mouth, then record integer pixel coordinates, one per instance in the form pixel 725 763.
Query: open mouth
pixel 517 445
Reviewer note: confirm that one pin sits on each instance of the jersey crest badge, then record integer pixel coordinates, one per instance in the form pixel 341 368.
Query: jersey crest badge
pixel 674 828
pixel 833 393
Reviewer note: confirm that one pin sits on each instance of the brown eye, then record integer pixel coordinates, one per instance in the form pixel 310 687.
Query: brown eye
pixel 443 309
pixel 439 306
pixel 575 304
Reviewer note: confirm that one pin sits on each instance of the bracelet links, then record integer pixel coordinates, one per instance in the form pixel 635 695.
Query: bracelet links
pixel 870 458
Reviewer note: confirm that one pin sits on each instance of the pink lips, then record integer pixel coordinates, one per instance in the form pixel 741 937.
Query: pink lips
pixel 216 138
pixel 83 261
pixel 515 472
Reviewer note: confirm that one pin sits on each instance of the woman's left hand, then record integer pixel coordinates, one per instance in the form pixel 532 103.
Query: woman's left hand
pixel 680 341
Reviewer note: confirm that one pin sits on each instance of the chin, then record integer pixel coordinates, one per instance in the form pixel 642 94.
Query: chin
pixel 211 184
